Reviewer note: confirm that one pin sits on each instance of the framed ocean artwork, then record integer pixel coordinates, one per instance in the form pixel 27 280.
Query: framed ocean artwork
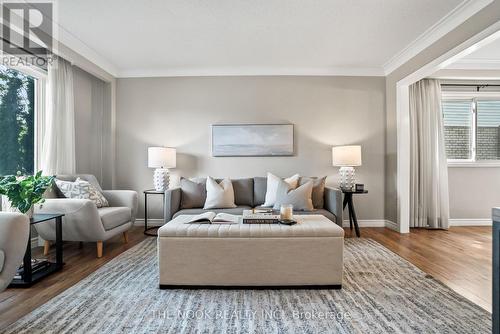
pixel 252 140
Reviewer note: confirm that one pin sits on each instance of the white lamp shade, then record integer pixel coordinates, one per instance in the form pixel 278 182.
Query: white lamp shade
pixel 161 157
pixel 346 156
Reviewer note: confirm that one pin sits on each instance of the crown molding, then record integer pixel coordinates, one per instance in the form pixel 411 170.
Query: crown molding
pixel 205 72
pixel 64 40
pixel 449 22
pixel 79 47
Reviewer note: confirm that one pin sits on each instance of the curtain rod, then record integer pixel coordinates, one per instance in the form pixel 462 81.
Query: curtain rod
pixel 478 86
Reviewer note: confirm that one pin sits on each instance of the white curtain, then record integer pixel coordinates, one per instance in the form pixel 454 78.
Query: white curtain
pixel 429 202
pixel 58 146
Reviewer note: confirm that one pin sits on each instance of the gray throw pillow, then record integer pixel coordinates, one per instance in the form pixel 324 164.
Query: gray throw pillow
pixel 299 197
pixel 318 192
pixel 193 193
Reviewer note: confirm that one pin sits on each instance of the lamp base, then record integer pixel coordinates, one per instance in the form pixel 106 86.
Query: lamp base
pixel 347 178
pixel 161 179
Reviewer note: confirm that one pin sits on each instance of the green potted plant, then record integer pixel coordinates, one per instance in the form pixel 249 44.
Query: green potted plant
pixel 24 191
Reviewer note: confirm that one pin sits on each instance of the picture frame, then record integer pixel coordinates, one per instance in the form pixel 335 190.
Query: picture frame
pixel 252 140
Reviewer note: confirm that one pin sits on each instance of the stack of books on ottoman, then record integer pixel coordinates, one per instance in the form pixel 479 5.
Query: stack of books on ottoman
pixel 255 216
pixel 260 216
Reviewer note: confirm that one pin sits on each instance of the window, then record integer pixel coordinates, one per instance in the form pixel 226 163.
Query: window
pixel 471 128
pixel 17 122
pixel 488 126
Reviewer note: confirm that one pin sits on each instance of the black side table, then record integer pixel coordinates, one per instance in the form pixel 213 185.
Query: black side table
pixel 146 228
pixel 30 277
pixel 350 205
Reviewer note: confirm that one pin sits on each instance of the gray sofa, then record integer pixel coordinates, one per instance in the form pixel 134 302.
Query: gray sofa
pixel 250 193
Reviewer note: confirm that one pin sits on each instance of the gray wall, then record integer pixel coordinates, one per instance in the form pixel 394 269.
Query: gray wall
pixel 92 126
pixel 178 112
pixel 473 191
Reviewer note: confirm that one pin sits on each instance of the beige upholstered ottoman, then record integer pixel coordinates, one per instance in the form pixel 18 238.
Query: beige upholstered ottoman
pixel 308 254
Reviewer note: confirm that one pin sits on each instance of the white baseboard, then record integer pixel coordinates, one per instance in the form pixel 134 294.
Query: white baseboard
pixel 368 223
pixel 471 222
pixel 392 225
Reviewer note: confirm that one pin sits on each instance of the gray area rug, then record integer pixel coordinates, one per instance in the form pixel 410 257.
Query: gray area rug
pixel 382 293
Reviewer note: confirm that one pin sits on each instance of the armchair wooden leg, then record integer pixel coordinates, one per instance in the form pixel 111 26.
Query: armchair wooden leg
pixel 46 247
pixel 125 237
pixel 99 249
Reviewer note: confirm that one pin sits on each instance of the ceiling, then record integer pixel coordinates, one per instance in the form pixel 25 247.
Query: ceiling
pixel 258 37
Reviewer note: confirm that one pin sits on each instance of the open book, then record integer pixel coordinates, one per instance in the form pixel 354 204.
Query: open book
pixel 212 218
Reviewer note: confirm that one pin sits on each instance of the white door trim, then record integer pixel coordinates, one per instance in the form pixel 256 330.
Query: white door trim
pixel 403 117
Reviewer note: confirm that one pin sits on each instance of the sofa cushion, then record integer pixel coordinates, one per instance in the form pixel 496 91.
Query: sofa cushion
pixel 234 211
pixel 220 195
pixel 243 191
pixel 273 182
pixel 318 192
pixel 299 197
pixel 259 190
pixel 193 193
pixel 112 217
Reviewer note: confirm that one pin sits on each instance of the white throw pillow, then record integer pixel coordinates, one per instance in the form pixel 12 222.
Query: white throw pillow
pixel 272 187
pixel 95 195
pixel 219 195
pixel 81 189
pixel 300 198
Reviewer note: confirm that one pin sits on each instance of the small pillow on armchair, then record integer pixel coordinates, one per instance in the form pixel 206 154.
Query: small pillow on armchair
pixel 81 189
pixel 219 195
pixel 300 198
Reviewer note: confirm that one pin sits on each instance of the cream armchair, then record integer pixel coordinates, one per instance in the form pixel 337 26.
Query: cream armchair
pixel 14 234
pixel 83 221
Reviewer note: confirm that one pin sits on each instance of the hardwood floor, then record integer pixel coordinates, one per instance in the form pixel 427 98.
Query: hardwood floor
pixel 460 258
pixel 79 263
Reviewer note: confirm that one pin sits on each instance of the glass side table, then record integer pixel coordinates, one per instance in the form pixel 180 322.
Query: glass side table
pixel 30 275
pixel 149 230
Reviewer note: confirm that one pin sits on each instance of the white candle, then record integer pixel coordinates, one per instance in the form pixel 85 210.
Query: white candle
pixel 286 212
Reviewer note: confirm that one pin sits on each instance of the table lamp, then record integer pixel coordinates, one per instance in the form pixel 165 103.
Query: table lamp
pixel 346 157
pixel 161 158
